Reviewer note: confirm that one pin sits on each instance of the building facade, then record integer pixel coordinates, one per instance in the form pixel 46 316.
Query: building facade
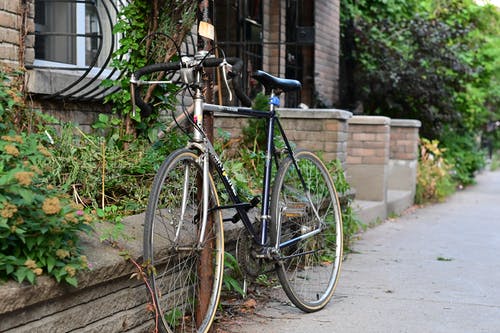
pixel 66 46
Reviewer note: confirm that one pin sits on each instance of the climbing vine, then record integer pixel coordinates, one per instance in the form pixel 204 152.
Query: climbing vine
pixel 144 26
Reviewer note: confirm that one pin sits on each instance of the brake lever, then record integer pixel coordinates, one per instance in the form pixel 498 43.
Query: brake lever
pixel 226 66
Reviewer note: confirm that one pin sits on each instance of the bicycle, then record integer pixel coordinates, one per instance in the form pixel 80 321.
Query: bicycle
pixel 298 231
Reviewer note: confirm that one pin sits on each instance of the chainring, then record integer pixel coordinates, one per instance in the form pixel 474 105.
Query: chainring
pixel 246 251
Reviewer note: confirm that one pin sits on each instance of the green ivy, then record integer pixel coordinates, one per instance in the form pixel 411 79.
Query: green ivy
pixel 142 26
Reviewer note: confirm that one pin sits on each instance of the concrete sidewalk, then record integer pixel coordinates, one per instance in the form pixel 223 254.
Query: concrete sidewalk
pixel 435 269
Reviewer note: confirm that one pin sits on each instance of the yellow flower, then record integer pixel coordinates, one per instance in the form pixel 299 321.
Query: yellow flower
pixel 51 206
pixel 44 151
pixel 11 150
pixel 61 254
pixel 70 218
pixel 38 271
pixel 24 177
pixel 8 210
pixel 31 264
pixel 16 138
pixel 85 262
pixel 70 270
pixel 88 219
pixel 76 206
pixel 36 169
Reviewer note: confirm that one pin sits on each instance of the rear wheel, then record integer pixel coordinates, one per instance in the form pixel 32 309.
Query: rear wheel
pixel 306 222
pixel 185 276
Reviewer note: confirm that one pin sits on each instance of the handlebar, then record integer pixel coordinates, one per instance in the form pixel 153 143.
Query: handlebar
pixel 236 63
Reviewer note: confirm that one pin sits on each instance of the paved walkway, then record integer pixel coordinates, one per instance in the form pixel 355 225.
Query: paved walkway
pixel 435 269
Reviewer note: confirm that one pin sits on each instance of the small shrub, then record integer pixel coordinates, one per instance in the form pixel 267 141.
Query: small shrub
pixel 434 179
pixel 464 154
pixel 38 225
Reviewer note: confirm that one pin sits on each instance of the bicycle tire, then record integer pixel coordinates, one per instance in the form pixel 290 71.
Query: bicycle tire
pixel 170 250
pixel 308 269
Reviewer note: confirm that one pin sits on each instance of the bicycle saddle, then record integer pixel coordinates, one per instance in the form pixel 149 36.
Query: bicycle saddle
pixel 272 82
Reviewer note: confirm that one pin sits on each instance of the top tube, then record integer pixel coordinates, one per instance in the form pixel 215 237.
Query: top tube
pixel 242 111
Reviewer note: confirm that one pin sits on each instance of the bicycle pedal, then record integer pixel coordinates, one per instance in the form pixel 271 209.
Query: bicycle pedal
pixel 255 201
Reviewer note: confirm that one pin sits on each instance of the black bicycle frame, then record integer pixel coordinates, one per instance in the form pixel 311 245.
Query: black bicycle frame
pixel 242 207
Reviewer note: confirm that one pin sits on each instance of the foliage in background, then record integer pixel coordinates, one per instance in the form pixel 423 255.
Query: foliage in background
pixel 463 155
pixel 38 225
pixel 436 61
pixel 423 60
pixel 434 180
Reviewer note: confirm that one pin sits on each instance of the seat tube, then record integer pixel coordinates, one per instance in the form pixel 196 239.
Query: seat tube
pixel 265 213
pixel 198 113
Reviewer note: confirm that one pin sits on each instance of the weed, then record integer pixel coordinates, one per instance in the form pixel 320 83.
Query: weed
pixel 232 274
pixel 434 179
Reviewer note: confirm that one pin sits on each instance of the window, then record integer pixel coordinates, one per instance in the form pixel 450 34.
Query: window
pixel 66 33
pixel 73 46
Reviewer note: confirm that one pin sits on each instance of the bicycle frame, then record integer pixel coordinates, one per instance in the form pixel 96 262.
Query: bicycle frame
pixel 203 144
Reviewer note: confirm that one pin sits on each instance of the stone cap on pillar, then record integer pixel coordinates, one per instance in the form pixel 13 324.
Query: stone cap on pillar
pixel 406 123
pixel 370 120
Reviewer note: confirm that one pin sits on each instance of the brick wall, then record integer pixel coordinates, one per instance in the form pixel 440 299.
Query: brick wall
pixel 84 114
pixel 327 50
pixel 16 28
pixel 323 131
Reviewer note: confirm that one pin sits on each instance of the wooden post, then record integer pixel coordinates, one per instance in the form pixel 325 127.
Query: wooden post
pixel 205 269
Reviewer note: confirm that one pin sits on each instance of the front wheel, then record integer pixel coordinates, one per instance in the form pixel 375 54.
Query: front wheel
pixel 185 272
pixel 306 224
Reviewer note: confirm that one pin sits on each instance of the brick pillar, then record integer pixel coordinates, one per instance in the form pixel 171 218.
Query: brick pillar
pixel 320 130
pixel 274 12
pixel 368 156
pixel 327 50
pixel 403 155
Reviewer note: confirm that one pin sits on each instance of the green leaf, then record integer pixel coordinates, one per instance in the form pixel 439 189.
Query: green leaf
pixel 71 281
pixel 31 277
pixel 27 195
pixel 30 243
pixel 51 262
pixel 21 273
pixel 9 269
